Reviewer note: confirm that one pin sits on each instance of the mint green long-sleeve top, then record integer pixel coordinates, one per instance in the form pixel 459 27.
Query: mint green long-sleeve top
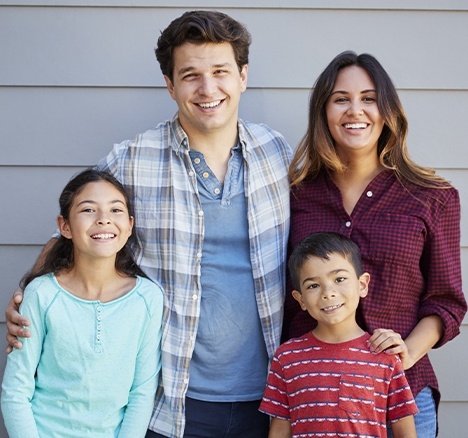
pixel 90 369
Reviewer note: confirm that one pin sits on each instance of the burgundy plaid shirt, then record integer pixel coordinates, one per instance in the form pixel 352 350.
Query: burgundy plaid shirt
pixel 410 245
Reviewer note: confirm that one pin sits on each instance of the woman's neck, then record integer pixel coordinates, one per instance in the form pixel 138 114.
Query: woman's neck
pixel 354 180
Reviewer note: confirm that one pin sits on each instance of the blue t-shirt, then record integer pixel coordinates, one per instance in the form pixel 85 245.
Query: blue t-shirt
pixel 230 360
pixel 90 369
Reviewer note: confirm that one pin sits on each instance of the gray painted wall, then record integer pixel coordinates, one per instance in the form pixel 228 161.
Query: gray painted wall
pixel 78 76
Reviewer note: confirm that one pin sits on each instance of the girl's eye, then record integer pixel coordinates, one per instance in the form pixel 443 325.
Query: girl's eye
pixel 340 279
pixel 117 210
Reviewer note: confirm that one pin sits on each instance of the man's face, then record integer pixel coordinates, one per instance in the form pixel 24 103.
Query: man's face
pixel 207 86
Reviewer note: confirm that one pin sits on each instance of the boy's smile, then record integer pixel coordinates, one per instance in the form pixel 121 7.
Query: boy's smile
pixel 330 292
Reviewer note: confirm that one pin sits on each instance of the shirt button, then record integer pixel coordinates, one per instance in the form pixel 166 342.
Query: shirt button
pixel 197 161
pixel 348 224
pixel 186 381
pixel 200 213
pixel 369 194
pixel 199 255
pixel 194 296
pixel 217 191
pixel 191 173
pixel 205 175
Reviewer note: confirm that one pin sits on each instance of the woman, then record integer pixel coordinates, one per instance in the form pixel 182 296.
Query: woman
pixel 352 174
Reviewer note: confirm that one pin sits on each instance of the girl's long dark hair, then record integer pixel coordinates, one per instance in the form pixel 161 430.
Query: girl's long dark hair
pixel 60 256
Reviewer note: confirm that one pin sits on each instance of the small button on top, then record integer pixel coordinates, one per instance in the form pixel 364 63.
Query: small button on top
pixel 217 191
pixel 369 194
pixel 197 161
pixel 348 224
pixel 205 175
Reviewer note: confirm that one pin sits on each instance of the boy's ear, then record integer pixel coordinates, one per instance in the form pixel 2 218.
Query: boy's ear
pixel 298 297
pixel 364 280
pixel 64 228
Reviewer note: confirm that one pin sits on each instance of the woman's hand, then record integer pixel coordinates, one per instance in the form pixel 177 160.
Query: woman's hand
pixel 390 342
pixel 15 322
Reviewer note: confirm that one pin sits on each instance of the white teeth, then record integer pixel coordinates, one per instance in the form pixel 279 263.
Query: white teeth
pixel 103 236
pixel 210 105
pixel 328 309
pixel 355 125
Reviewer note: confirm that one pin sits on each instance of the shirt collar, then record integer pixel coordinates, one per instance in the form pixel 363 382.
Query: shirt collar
pixel 180 138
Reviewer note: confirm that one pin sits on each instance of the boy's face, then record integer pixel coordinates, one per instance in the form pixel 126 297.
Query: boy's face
pixel 330 290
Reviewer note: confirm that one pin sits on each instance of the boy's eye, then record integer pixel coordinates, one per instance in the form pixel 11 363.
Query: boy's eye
pixel 313 286
pixel 340 279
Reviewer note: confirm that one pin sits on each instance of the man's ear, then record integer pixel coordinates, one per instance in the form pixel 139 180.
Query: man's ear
pixel 170 86
pixel 64 227
pixel 298 297
pixel 243 77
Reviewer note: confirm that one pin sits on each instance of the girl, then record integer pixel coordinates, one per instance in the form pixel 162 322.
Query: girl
pixel 352 174
pixel 91 366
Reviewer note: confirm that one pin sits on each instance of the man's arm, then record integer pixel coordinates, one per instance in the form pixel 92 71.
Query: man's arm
pixel 404 428
pixel 15 322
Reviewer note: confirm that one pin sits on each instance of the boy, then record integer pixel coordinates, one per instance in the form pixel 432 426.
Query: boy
pixel 327 382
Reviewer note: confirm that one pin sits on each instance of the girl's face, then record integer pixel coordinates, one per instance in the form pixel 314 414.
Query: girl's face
pixel 353 117
pixel 99 223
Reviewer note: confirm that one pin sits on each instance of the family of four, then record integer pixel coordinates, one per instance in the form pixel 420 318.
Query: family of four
pixel 210 208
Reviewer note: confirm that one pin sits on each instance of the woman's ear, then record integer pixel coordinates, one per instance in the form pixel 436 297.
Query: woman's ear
pixel 64 227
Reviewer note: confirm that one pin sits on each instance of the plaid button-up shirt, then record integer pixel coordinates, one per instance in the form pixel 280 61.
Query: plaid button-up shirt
pixel 169 227
pixel 410 244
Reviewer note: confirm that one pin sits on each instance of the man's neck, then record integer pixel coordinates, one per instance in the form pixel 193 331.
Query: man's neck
pixel 216 149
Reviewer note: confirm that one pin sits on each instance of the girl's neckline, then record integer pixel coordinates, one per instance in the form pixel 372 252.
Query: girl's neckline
pixel 84 300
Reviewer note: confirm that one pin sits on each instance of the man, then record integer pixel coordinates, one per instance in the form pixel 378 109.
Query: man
pixel 211 198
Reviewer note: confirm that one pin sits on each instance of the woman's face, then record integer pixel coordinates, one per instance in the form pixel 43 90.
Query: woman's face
pixel 353 117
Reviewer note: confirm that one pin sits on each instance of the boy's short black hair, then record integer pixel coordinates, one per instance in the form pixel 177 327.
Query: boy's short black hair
pixel 322 245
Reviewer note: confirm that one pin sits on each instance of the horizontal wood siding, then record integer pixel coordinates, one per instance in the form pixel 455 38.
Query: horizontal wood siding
pixel 78 76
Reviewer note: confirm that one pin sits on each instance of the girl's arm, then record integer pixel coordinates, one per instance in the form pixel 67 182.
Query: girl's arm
pixel 148 366
pixel 19 379
pixel 15 322
pixel 280 428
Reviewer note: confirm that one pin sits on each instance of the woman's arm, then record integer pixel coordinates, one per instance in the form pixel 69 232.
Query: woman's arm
pixel 422 338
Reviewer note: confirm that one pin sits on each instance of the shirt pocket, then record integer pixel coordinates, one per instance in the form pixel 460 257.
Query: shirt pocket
pixel 397 238
pixel 356 395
